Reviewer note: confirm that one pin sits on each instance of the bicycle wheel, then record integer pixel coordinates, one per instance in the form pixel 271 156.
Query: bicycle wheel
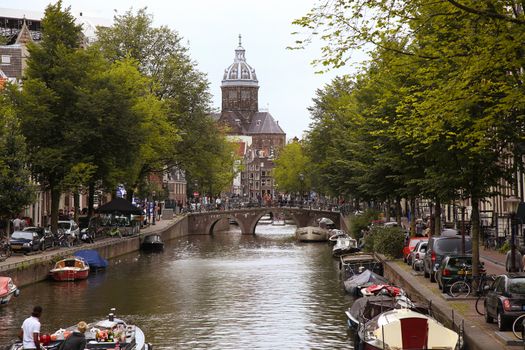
pixel 517 327
pixel 480 305
pixel 459 289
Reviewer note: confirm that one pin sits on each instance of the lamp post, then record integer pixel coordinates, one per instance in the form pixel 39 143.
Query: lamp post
pixel 301 180
pixel 512 205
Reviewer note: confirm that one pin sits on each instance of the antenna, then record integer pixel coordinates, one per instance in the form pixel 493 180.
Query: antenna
pixel 240 40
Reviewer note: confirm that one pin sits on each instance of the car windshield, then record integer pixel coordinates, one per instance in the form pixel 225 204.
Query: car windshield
pixel 451 246
pixel 64 225
pixel 22 235
pixel 517 285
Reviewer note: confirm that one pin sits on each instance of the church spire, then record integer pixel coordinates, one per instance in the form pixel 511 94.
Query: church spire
pixel 24 36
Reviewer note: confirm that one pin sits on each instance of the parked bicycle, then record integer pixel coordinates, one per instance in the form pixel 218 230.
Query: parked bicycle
pixel 5 249
pixel 485 282
pixel 465 283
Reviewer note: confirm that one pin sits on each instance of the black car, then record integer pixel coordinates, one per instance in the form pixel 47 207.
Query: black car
pixel 439 247
pixel 46 237
pixel 505 300
pixel 26 241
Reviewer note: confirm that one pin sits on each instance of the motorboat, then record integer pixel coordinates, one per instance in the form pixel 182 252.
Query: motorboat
pixel 405 329
pixel 311 234
pixel 382 289
pixel 365 309
pixel 344 245
pixel 355 263
pixel 70 269
pixel 357 282
pixel 152 243
pixel 335 234
pixel 93 258
pixel 7 290
pixel 106 334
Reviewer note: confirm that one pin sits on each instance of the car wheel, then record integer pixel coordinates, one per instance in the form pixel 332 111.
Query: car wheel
pixel 488 318
pixel 502 323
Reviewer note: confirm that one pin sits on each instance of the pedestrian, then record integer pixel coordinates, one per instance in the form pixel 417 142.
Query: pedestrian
pixel 76 340
pixel 30 330
pixel 518 261
pixel 17 223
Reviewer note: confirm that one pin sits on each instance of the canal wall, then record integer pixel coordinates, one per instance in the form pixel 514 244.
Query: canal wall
pixel 35 268
pixel 475 337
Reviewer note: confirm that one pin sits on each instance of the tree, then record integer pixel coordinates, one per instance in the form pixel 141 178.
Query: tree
pixel 16 189
pixel 290 164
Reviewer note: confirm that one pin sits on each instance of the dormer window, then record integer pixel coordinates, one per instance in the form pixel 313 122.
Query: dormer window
pixel 258 122
pixel 6 59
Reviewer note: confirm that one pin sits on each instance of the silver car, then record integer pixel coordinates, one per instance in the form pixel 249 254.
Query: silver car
pixel 70 227
pixel 417 255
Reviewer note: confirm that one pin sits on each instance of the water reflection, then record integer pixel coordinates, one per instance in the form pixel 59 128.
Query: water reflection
pixel 225 291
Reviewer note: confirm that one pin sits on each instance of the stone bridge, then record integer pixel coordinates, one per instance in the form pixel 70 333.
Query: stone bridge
pixel 247 219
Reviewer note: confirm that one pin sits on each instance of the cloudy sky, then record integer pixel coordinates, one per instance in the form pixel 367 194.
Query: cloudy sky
pixel 210 29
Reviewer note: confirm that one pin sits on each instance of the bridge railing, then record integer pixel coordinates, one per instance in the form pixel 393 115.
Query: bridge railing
pixel 199 208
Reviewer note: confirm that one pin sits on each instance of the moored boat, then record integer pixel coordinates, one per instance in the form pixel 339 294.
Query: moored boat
pixel 335 234
pixel 406 329
pixel 70 269
pixel 152 243
pixel 344 245
pixel 106 334
pixel 93 258
pixel 311 234
pixel 7 290
pixel 355 263
pixel 354 284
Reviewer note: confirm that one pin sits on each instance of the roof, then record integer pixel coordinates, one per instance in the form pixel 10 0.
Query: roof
pixel 119 205
pixel 240 73
pixel 263 123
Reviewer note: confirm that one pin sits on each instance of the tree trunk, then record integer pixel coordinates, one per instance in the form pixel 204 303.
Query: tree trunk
pixel 129 195
pixel 91 199
pixel 8 229
pixel 55 201
pixel 437 218
pixel 398 210
pixel 412 217
pixel 474 236
pixel 76 201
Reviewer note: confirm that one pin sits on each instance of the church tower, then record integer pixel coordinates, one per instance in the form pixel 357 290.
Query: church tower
pixel 240 87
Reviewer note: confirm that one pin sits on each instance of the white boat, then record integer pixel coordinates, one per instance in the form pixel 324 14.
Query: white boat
pixel 335 234
pixel 311 234
pixel 344 245
pixel 107 334
pixel 7 290
pixel 406 329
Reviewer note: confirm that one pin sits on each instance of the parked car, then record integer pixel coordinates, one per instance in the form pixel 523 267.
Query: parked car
pixel 25 241
pixel 46 237
pixel 447 272
pixel 438 248
pixel 505 300
pixel 70 227
pixel 410 245
pixel 417 255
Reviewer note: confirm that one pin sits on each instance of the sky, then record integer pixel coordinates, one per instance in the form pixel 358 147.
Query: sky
pixel 210 28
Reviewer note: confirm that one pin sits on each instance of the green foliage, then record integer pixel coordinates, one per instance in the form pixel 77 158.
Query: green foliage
pixel 504 248
pixel 385 240
pixel 358 223
pixel 291 162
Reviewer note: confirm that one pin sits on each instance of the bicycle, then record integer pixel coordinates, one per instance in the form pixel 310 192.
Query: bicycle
pixel 462 285
pixel 5 250
pixel 481 292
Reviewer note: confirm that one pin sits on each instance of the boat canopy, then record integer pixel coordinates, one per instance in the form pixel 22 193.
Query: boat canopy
pixel 93 258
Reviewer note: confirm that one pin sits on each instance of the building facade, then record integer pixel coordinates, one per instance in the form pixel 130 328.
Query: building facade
pixel 259 135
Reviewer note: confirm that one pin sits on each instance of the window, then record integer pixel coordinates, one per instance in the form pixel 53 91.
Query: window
pixel 6 59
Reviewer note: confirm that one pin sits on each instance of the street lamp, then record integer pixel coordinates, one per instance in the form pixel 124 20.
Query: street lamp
pixel 154 207
pixel 511 204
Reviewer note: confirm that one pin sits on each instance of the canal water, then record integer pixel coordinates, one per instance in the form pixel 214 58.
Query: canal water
pixel 225 291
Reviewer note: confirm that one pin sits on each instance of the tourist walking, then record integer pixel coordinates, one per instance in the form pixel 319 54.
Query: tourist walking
pixel 77 339
pixel 30 332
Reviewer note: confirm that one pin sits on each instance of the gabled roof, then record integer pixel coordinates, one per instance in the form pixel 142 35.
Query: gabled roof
pixel 24 36
pixel 263 123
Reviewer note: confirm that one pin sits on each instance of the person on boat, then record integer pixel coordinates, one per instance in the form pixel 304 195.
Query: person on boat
pixel 77 339
pixel 30 330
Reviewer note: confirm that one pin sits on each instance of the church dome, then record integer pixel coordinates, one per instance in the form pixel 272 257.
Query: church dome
pixel 239 73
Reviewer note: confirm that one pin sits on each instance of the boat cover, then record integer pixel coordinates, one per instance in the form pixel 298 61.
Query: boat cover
pixel 92 257
pixel 4 285
pixel 364 279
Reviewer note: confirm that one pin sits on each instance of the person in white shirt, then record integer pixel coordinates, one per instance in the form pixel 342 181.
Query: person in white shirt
pixel 30 331
pixel 17 223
